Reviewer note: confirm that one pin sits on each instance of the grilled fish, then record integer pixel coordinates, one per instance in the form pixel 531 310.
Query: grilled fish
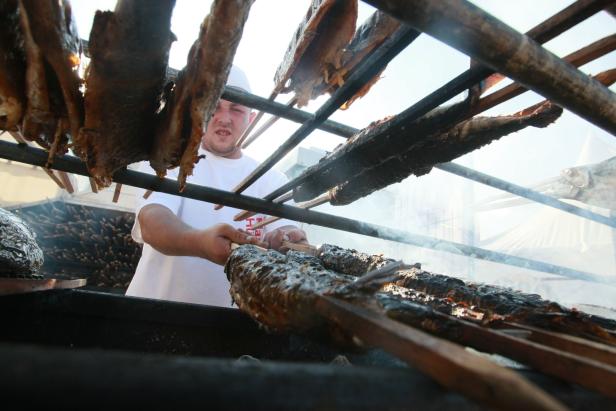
pixel 20 255
pixel 12 67
pixel 280 291
pixel 313 60
pixel 198 88
pixel 129 51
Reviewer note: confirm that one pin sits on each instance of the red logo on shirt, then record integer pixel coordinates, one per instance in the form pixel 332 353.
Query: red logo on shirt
pixel 250 222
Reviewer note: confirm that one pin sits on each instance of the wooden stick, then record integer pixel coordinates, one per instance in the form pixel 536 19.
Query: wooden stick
pixel 147 194
pixel 575 345
pixel 93 185
pixel 304 248
pixel 245 214
pixel 307 205
pixel 252 125
pixel 49 172
pixel 448 363
pixel 55 179
pixel 568 366
pixel 271 121
pixel 66 181
pixel 116 192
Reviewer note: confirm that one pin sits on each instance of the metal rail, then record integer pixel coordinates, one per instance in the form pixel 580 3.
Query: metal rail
pixel 482 178
pixel 38 157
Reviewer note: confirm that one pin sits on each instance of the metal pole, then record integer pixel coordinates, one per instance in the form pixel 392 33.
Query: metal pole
pixel 482 178
pixel 38 157
pixel 476 33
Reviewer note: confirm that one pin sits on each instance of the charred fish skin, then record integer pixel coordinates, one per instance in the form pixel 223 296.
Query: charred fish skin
pixel 39 122
pixel 377 142
pixel 368 37
pixel 129 50
pixel 12 67
pixel 54 30
pixel 349 261
pixel 497 304
pixel 291 281
pixel 20 255
pixel 313 60
pixel 461 139
pixel 198 89
pixel 280 291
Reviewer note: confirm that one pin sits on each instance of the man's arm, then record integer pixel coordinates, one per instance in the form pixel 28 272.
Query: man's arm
pixel 169 235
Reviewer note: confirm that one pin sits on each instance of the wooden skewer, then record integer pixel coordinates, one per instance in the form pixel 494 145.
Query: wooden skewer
pixel 256 120
pixel 306 205
pixel 245 214
pixel 304 248
pixel 93 185
pixel 448 363
pixel 66 181
pixel 265 126
pixel 116 192
pixel 575 345
pixel 55 179
pixel 49 172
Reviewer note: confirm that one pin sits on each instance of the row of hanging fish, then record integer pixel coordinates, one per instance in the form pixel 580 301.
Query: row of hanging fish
pixel 123 110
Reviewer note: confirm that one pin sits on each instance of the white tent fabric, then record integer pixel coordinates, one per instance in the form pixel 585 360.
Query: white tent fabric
pixel 563 239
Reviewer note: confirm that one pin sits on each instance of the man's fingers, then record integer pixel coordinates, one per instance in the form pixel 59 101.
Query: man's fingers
pixel 241 237
pixel 296 236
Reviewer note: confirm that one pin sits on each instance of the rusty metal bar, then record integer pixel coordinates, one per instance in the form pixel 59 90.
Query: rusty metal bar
pixel 474 32
pixel 578 58
pixel 448 363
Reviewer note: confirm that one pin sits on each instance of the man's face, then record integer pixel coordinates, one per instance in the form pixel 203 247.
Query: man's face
pixel 225 127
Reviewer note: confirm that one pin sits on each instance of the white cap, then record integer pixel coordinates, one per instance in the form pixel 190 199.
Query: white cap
pixel 238 79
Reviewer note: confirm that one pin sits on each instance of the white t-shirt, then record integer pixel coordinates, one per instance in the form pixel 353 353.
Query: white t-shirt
pixel 193 279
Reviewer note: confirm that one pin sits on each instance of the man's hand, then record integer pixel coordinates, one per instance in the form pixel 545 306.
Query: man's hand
pixel 169 235
pixel 288 233
pixel 216 241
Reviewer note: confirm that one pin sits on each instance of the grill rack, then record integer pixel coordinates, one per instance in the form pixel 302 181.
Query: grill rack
pixel 459 16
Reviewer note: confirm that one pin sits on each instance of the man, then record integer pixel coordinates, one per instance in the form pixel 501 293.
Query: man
pixel 186 241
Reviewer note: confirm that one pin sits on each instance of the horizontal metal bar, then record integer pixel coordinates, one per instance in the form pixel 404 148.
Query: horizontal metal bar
pixel 34 156
pixel 482 178
pixel 476 33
